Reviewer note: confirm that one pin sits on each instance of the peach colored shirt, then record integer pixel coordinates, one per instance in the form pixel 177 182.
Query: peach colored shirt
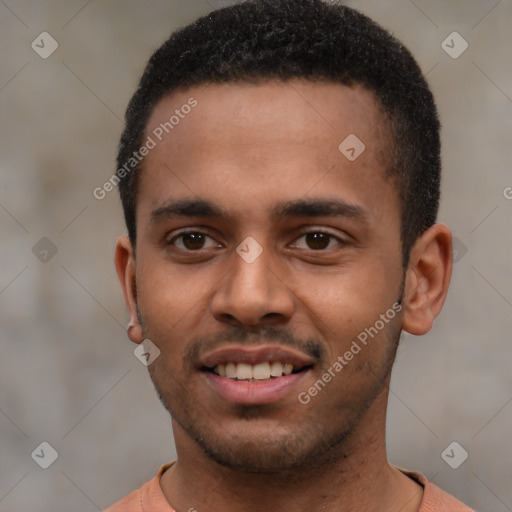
pixel 150 498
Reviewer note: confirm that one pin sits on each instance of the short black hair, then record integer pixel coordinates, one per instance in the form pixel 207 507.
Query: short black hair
pixel 260 40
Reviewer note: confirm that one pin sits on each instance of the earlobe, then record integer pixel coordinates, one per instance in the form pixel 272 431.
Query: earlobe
pixel 427 279
pixel 125 266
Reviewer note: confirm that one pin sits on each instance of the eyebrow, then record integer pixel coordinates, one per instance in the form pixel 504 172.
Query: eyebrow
pixel 298 208
pixel 319 208
pixel 188 208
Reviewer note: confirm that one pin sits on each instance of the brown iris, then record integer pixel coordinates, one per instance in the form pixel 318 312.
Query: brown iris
pixel 317 241
pixel 193 241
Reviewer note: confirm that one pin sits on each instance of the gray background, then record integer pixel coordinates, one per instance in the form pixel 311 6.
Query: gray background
pixel 68 375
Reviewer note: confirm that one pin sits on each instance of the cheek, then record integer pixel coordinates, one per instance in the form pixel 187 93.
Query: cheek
pixel 345 308
pixel 169 299
pixel 347 297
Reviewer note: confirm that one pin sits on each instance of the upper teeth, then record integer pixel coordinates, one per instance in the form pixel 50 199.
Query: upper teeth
pixel 261 371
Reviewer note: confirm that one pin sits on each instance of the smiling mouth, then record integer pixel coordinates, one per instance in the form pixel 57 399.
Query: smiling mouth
pixel 255 375
pixel 260 372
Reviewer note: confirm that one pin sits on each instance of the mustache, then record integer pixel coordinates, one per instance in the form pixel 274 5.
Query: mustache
pixel 262 336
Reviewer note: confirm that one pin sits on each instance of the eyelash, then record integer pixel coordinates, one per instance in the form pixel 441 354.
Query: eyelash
pixel 339 241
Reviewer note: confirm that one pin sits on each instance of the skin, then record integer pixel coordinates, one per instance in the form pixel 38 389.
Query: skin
pixel 247 148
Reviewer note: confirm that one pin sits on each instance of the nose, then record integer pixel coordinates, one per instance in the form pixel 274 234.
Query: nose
pixel 253 294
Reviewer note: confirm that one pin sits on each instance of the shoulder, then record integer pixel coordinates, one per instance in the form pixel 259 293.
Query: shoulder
pixel 146 499
pixel 130 503
pixel 434 498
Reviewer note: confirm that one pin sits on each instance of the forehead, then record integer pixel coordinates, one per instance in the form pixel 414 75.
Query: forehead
pixel 304 107
pixel 281 140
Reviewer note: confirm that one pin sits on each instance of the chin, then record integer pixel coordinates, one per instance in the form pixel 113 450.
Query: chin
pixel 254 457
pixel 269 450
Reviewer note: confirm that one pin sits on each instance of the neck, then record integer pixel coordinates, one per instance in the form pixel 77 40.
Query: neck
pixel 357 477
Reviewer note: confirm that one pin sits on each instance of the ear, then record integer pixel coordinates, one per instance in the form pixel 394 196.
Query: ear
pixel 125 266
pixel 427 279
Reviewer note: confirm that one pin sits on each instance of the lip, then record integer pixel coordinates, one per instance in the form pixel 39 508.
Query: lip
pixel 255 355
pixel 253 392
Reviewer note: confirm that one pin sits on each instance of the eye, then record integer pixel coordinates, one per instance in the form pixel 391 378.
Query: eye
pixel 317 241
pixel 193 241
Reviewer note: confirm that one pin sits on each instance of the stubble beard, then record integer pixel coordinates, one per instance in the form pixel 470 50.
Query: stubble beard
pixel 304 446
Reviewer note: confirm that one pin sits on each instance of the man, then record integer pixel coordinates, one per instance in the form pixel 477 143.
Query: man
pixel 279 172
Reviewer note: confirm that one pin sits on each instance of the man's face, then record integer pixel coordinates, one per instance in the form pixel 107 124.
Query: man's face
pixel 328 228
